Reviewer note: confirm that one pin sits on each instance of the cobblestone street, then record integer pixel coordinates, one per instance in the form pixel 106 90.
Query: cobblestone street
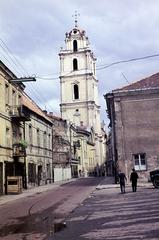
pixel 108 214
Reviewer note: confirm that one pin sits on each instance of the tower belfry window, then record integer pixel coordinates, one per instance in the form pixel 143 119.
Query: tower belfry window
pixel 75 46
pixel 76 91
pixel 75 64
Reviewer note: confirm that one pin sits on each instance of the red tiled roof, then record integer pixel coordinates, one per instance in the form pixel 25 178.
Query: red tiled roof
pixel 51 115
pixel 149 82
pixel 30 104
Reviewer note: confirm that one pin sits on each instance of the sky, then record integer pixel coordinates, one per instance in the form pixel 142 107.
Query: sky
pixel 33 31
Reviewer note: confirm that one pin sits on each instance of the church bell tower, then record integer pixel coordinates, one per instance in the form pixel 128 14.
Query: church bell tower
pixel 78 82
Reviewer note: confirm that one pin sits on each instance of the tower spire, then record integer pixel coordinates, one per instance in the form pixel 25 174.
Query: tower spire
pixel 76 15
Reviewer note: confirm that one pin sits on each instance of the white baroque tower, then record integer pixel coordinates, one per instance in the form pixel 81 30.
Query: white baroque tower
pixel 79 85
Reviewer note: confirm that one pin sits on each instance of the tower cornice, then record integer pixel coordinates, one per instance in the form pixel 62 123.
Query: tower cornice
pixel 70 52
pixel 79 75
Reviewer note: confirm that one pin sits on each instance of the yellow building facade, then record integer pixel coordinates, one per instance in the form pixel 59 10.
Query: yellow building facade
pixel 10 131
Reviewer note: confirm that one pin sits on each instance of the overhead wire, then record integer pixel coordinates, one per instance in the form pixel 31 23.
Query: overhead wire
pixel 11 64
pixel 103 66
pixel 128 60
pixel 21 71
pixel 15 61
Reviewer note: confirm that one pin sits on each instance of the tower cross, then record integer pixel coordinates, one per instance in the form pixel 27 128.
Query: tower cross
pixel 76 15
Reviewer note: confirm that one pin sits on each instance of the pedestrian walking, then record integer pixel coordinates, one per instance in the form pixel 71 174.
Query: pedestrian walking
pixel 122 179
pixel 133 179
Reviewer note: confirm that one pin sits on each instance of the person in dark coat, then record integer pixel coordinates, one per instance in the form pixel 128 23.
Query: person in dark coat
pixel 133 179
pixel 122 179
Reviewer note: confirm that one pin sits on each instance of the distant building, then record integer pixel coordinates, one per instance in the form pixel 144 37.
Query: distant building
pixel 60 148
pixel 134 127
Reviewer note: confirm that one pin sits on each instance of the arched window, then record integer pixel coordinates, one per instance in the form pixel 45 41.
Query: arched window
pixel 75 48
pixel 75 64
pixel 76 91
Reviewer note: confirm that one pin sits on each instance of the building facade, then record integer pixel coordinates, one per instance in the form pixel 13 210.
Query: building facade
pixel 25 136
pixel 38 138
pixel 12 119
pixel 134 127
pixel 79 86
pixel 60 149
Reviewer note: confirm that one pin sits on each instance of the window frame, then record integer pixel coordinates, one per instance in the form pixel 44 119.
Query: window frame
pixel 75 46
pixel 75 64
pixel 76 92
pixel 139 157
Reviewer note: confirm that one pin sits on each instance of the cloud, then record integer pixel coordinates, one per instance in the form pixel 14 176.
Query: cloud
pixel 34 30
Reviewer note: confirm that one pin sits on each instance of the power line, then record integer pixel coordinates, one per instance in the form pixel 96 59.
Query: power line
pixel 129 60
pixel 11 64
pixel 103 66
pixel 24 71
pixel 12 57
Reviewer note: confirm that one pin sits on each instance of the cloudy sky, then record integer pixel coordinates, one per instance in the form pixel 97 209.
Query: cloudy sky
pixel 33 31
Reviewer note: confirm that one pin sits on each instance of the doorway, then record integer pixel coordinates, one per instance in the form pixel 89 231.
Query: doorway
pixel 1 178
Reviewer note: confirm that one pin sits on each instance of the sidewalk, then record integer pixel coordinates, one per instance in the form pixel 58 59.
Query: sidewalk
pixel 35 190
pixel 109 182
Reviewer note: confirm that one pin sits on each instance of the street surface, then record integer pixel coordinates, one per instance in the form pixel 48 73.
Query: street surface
pixel 110 215
pixel 76 211
pixel 37 216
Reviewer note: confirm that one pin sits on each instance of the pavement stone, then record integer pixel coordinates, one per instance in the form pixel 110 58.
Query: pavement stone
pixel 109 215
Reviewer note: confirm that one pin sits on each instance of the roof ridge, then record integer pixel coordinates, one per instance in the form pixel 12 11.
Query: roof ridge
pixel 151 81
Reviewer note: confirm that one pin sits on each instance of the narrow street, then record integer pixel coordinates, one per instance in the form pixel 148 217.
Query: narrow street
pixel 80 211
pixel 110 215
pixel 35 216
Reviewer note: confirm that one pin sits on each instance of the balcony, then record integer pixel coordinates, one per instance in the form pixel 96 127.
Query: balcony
pixel 19 150
pixel 19 113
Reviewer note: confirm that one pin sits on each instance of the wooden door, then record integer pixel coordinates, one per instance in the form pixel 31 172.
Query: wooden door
pixel 1 178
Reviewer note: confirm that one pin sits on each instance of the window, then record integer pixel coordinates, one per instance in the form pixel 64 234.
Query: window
pixel 45 142
pixel 75 64
pixel 75 46
pixel 7 94
pixel 76 91
pixel 140 161
pixel 19 100
pixel 8 137
pixel 38 140
pixel 49 141
pixel 13 98
pixel 30 137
